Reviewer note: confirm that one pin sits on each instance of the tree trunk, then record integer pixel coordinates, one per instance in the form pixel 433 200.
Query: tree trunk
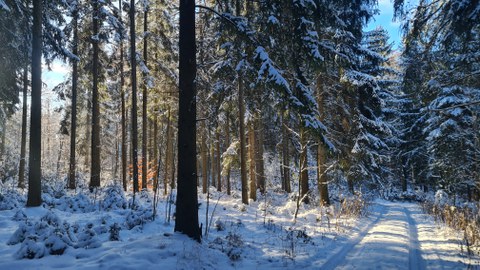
pixel 259 163
pixel 123 109
pixel 168 151
pixel 73 129
pixel 204 152
pixel 213 163
pixel 322 152
pixel 285 158
pixel 34 169
pixel 133 60
pixel 303 165
pixel 21 169
pixel 95 147
pixel 322 175
pixel 144 106
pixel 227 139
pixel 219 166
pixel 251 155
pixel 187 202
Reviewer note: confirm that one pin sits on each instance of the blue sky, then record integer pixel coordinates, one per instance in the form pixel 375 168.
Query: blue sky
pixel 385 19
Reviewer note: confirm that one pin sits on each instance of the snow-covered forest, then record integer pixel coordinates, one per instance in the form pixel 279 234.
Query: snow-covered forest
pixel 239 134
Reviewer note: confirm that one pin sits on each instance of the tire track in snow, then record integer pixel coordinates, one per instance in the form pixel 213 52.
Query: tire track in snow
pixel 415 260
pixel 339 257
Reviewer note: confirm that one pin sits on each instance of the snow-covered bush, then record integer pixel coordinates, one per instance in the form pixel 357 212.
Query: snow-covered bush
pixel 87 238
pixel 11 199
pixel 138 217
pixel 19 216
pixel 114 232
pixel 79 203
pixel 45 236
pixel 114 198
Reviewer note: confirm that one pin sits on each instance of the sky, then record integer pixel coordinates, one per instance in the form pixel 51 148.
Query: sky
pixel 385 19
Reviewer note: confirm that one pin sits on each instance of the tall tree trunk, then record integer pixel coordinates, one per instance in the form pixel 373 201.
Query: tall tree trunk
pixel 204 152
pixel 168 151
pixel 243 154
pixel 303 165
pixel 187 202
pixel 212 164
pixel 95 152
pixel 285 158
pixel 322 175
pixel 23 146
pixel 155 155
pixel 34 169
pixel 251 155
pixel 133 60
pixel 73 129
pixel 123 109
pixel 322 151
pixel 227 140
pixel 219 166
pixel 144 105
pixel 259 164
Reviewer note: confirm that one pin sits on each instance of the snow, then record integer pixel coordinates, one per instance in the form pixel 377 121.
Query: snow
pixel 261 235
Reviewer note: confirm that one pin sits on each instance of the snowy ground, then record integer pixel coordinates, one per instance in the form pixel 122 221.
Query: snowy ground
pixel 396 235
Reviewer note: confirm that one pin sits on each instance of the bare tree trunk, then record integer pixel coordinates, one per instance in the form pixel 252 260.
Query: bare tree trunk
pixel 227 139
pixel 285 158
pixel 95 146
pixel 219 167
pixel 204 158
pixel 123 107
pixel 73 129
pixel 259 164
pixel 21 170
pixel 322 175
pixel 187 202
pixel 35 173
pixel 168 150
pixel 133 60
pixel 251 154
pixel 213 163
pixel 144 106
pixel 304 188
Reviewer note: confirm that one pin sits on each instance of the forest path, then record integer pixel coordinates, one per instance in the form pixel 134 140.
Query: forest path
pixel 399 236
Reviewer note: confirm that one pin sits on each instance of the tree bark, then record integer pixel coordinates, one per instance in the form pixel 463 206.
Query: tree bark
pixel 73 129
pixel 23 146
pixel 35 174
pixel 187 202
pixel 144 106
pixel 285 158
pixel 259 163
pixel 168 151
pixel 123 109
pixel 133 62
pixel 219 166
pixel 322 175
pixel 251 155
pixel 204 150
pixel 95 147
pixel 227 139
pixel 304 188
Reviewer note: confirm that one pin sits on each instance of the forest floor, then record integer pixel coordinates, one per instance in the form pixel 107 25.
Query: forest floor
pixel 262 235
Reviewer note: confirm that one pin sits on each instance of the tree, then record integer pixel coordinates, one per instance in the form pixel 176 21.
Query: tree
pixel 187 201
pixel 35 172
pixel 133 74
pixel 73 129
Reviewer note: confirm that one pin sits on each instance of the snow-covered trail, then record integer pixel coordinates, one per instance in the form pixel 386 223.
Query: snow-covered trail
pixel 398 236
